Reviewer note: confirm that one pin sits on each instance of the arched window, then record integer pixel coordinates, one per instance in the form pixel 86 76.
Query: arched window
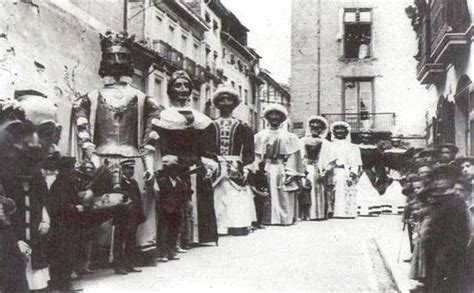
pixel 465 110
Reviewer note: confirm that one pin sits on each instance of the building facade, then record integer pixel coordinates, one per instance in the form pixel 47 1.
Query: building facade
pixel 272 92
pixel 352 58
pixel 62 56
pixel 444 32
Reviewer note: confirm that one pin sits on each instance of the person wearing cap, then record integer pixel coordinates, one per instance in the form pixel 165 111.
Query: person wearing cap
pixel 190 135
pixel 345 161
pixel 280 151
pixel 65 207
pixel 126 223
pixel 447 153
pixel 233 201
pixel 428 155
pixel 173 193
pixel 313 144
pixel 448 235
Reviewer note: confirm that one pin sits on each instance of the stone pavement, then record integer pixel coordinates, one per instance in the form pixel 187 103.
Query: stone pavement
pixel 330 256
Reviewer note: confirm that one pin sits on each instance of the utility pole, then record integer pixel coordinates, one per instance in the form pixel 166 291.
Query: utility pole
pixel 125 15
pixel 318 35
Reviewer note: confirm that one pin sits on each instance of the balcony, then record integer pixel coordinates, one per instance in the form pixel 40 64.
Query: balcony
pixel 378 122
pixel 444 32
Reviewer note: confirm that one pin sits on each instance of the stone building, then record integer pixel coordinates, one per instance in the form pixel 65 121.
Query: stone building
pixel 272 92
pixel 350 58
pixel 56 49
pixel 444 30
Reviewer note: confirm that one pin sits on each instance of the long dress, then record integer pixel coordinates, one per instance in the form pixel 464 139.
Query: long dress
pixel 233 200
pixel 311 150
pixel 347 159
pixel 189 135
pixel 369 201
pixel 279 149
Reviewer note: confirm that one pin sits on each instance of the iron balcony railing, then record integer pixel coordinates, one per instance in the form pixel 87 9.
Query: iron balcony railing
pixel 375 121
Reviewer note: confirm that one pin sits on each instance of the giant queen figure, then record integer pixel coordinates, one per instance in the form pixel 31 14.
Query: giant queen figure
pixel 189 135
pixel 113 124
pixel 280 151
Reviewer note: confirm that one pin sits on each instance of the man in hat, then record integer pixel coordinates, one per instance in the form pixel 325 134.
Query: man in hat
pixel 428 155
pixel 448 235
pixel 189 135
pixel 172 195
pixel 280 151
pixel 233 202
pixel 113 123
pixel 64 206
pixel 447 153
pixel 126 223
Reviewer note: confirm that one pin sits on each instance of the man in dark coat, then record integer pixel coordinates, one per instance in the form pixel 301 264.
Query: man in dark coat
pixel 126 223
pixel 64 206
pixel 448 235
pixel 173 194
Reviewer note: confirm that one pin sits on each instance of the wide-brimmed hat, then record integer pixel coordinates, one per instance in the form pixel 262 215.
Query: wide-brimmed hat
pixel 442 171
pixel 459 160
pixel 225 90
pixel 169 160
pixel 428 152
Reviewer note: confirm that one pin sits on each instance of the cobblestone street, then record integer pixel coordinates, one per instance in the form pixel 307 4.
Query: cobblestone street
pixel 329 256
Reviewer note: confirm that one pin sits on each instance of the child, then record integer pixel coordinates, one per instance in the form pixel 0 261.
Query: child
pixel 172 195
pixel 304 197
pixel 420 220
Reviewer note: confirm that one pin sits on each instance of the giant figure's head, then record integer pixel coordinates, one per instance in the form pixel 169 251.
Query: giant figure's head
pixel 116 55
pixel 341 130
pixel 317 126
pixel 180 87
pixel 275 114
pixel 41 130
pixel 12 119
pixel 226 99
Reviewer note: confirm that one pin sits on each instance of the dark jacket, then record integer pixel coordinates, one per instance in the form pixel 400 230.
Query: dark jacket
pixel 132 191
pixel 446 244
pixel 172 198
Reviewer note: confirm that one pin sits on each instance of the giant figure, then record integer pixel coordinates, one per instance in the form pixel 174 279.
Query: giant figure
pixel 313 144
pixel 189 135
pixel 345 162
pixel 234 204
pixel 279 149
pixel 113 123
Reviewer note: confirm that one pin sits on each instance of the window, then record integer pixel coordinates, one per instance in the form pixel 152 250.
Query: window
pixel 232 59
pixel 207 17
pixel 357 33
pixel 358 97
pixel 240 94
pixel 232 83
pixel 246 97
pixel 184 44
pixel 196 55
pixel 158 90
pixel 224 53
pixel 215 26
pixel 195 102
pixel 171 33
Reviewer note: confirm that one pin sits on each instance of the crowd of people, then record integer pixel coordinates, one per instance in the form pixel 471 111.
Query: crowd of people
pixel 439 212
pixel 142 183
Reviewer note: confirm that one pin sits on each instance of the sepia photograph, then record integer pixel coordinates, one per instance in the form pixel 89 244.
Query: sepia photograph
pixel 237 146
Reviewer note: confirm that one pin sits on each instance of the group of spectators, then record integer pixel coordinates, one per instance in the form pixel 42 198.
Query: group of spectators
pixel 438 215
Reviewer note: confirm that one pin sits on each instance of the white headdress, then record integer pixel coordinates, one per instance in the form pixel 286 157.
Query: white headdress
pixel 318 118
